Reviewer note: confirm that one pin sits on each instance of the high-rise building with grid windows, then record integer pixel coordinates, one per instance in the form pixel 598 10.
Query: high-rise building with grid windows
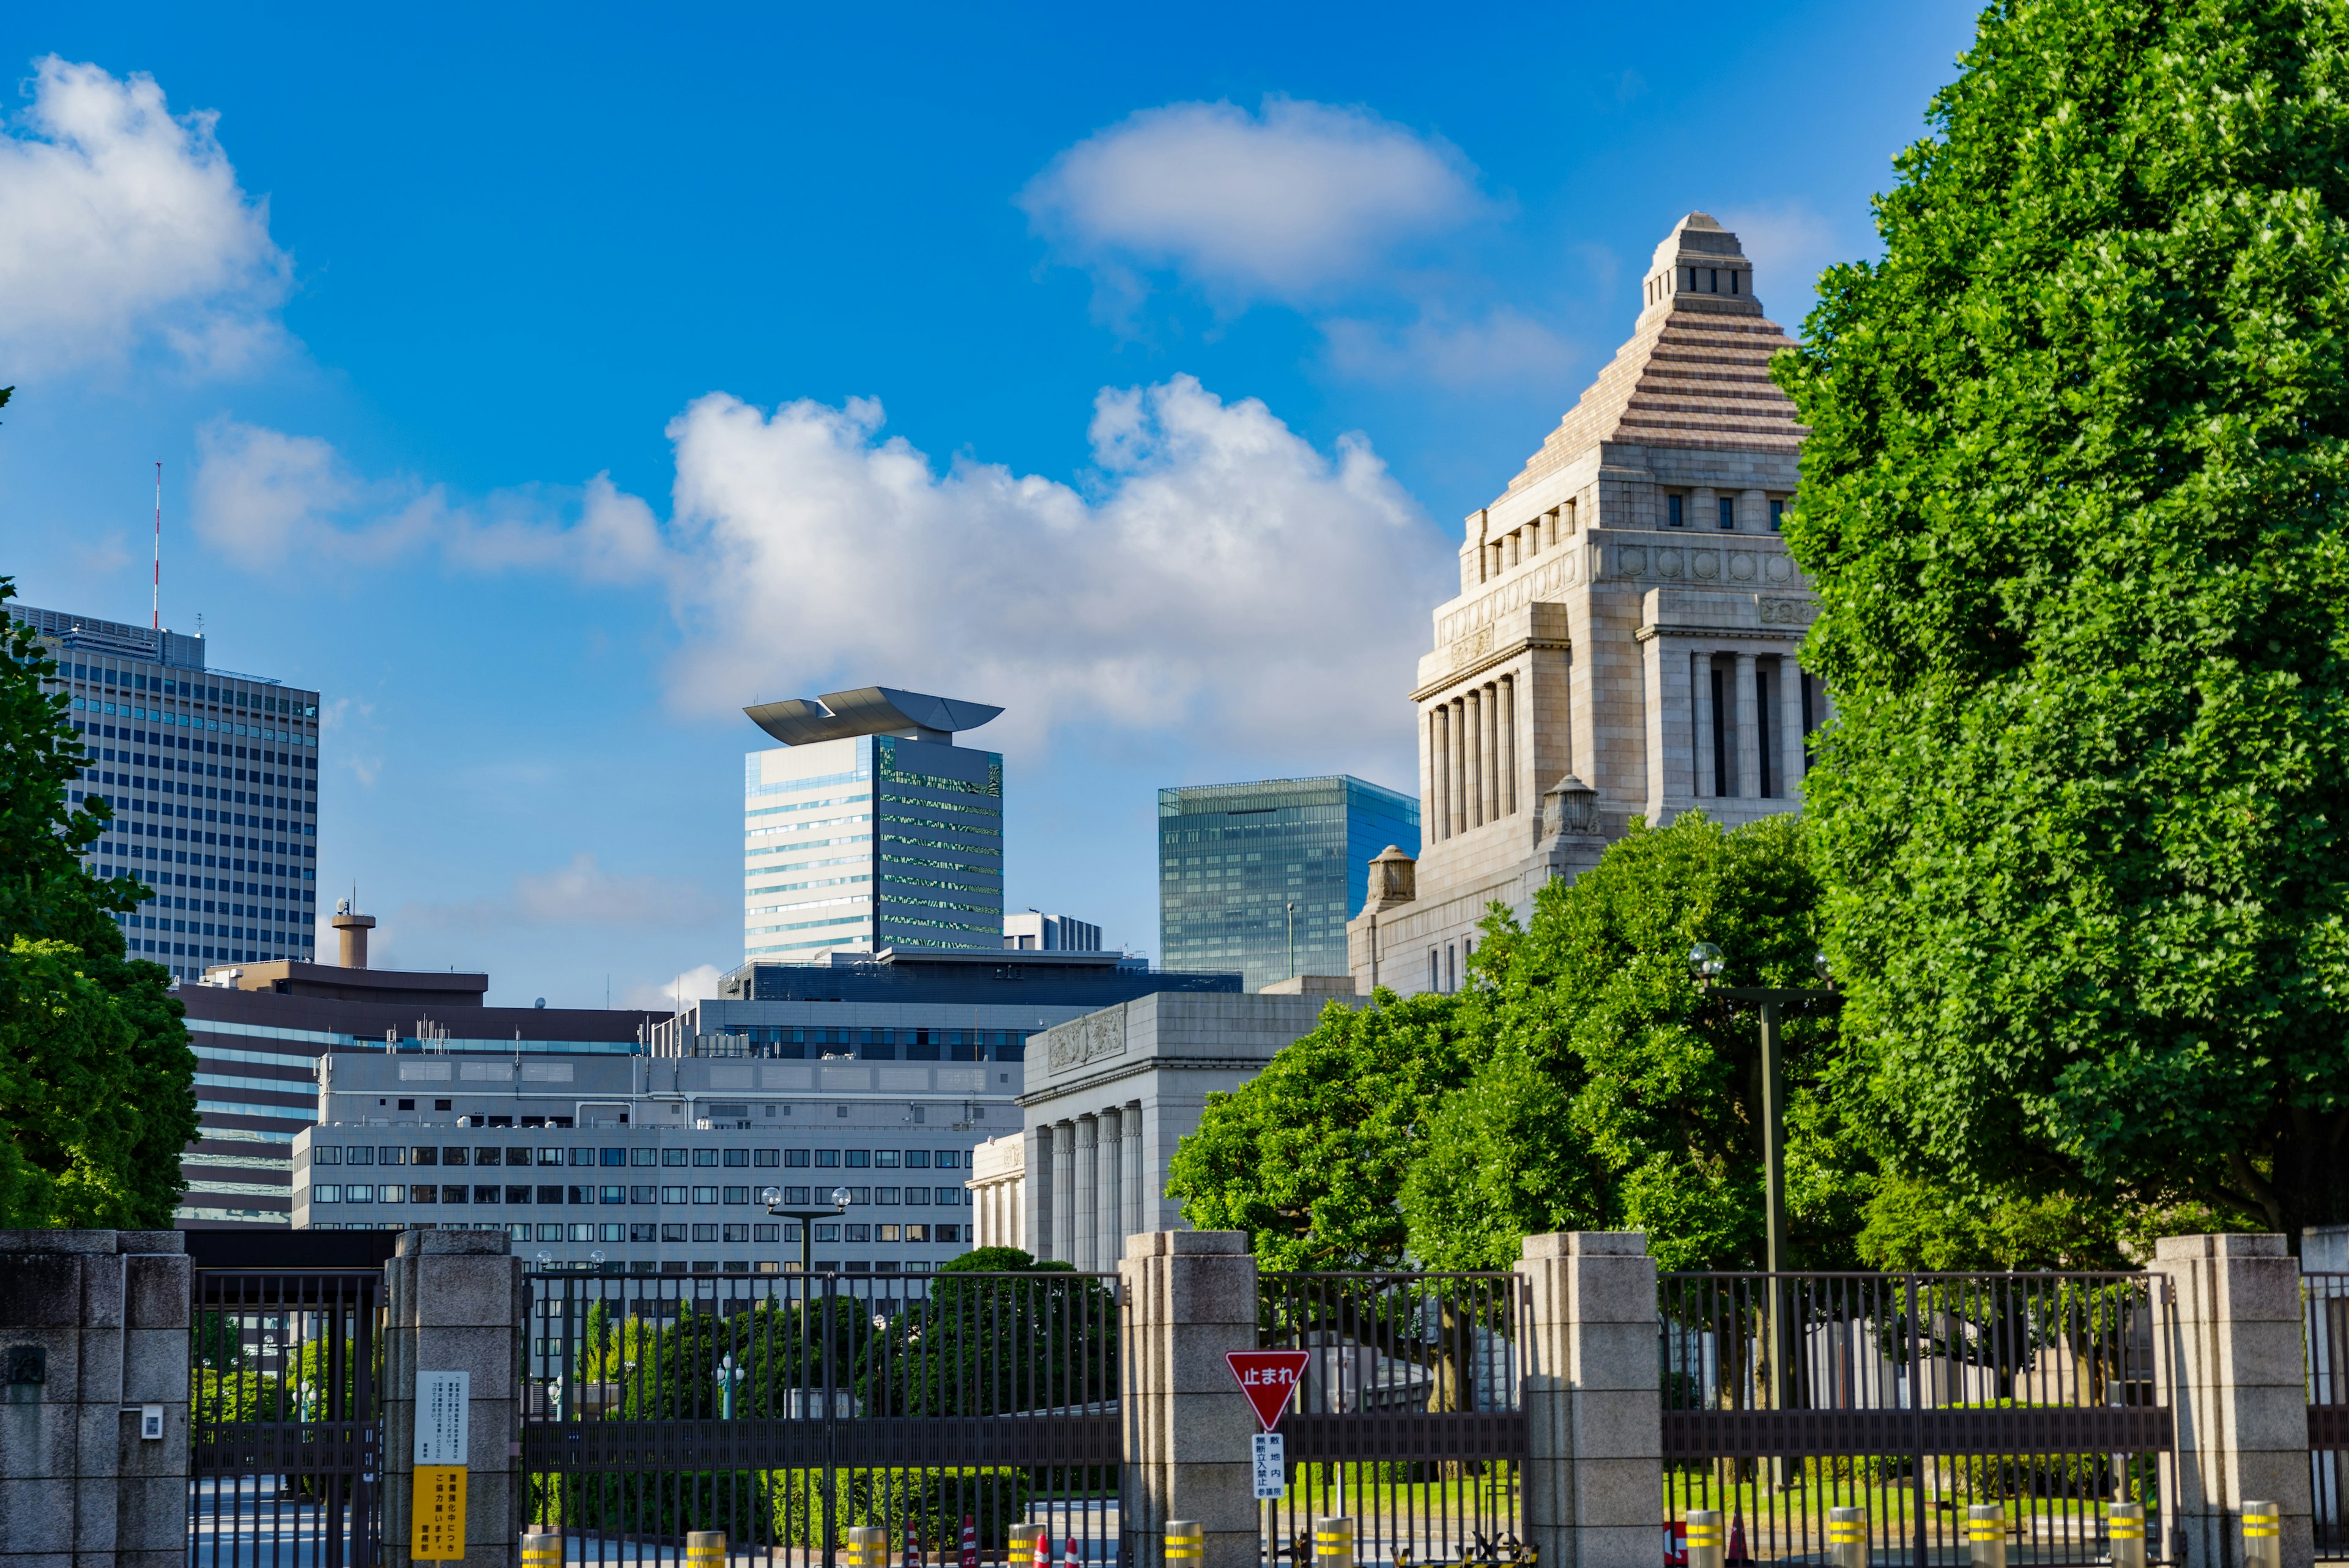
pixel 213 781
pixel 869 828
pixel 1261 877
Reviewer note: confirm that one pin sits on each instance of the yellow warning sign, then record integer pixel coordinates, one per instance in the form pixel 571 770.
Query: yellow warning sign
pixel 439 1511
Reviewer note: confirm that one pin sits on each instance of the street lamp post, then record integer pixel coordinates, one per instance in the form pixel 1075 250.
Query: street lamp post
pixel 1705 963
pixel 773 1197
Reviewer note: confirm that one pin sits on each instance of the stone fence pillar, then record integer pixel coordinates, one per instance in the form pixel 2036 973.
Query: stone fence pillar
pixel 93 1332
pixel 1190 1297
pixel 1594 1472
pixel 2236 1383
pixel 457 1302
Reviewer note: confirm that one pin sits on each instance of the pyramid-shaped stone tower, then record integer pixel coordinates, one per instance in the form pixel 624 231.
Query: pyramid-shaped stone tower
pixel 1623 642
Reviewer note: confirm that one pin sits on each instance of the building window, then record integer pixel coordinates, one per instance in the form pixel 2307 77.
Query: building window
pixel 1728 507
pixel 1672 517
pixel 705 1233
pixel 705 1195
pixel 550 1233
pixel 736 1233
pixel 705 1157
pixel 795 1157
pixel 672 1233
pixel 672 1156
pixel 1777 514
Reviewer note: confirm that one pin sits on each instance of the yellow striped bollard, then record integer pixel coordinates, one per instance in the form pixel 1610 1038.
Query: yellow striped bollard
pixel 1187 1542
pixel 2262 1535
pixel 868 1546
pixel 1021 1552
pixel 1847 1537
pixel 705 1549
pixel 2124 1529
pixel 541 1549
pixel 1986 1535
pixel 1705 1538
pixel 1334 1543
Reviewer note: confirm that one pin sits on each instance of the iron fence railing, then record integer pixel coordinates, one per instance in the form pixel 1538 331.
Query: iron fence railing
pixel 1409 1418
pixel 285 1427
pixel 2325 1320
pixel 785 1410
pixel 1914 1397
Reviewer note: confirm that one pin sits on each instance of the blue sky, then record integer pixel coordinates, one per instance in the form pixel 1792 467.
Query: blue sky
pixel 543 384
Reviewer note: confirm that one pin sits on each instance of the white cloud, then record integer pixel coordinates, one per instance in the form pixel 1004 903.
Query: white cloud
pixel 581 893
pixel 1505 349
pixel 1218 574
pixel 1223 576
pixel 122 227
pixel 262 495
pixel 1280 204
pixel 696 984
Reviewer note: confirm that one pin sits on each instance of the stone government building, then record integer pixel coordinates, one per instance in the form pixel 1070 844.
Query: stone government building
pixel 1623 643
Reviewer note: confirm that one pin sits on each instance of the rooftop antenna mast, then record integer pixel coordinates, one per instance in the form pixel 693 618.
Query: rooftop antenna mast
pixel 158 547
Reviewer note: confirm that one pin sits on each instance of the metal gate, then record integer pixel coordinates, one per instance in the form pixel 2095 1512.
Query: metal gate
pixel 285 1426
pixel 1914 1397
pixel 785 1408
pixel 2324 1307
pixel 1409 1418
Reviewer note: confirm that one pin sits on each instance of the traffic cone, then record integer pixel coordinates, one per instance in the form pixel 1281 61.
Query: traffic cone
pixel 1073 1557
pixel 970 1543
pixel 1736 1552
pixel 913 1558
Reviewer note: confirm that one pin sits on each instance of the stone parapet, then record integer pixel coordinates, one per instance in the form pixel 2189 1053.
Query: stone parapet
pixel 100 1319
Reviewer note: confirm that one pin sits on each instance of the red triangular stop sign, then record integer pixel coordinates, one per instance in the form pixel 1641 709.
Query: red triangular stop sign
pixel 1267 1378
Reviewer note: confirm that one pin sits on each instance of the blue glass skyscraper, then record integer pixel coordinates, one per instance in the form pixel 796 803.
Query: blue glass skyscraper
pixel 1234 859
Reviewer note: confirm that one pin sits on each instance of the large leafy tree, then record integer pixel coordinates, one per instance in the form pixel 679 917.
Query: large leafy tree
pixel 2076 500
pixel 1616 1094
pixel 96 1076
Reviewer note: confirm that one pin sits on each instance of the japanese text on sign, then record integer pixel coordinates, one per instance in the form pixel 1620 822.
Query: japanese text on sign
pixel 442 1412
pixel 440 1513
pixel 1268 1378
pixel 1271 1463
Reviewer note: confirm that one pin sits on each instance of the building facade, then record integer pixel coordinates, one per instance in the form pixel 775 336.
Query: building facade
pixel 213 781
pixel 878 1075
pixel 869 828
pixel 1039 933
pixel 1624 638
pixel 1261 877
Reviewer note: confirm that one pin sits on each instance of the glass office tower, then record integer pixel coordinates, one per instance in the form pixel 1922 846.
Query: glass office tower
pixel 1233 858
pixel 870 842
pixel 213 781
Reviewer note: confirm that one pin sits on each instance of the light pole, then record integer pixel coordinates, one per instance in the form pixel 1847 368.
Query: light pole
pixel 730 1379
pixel 773 1197
pixel 1292 938
pixel 1705 963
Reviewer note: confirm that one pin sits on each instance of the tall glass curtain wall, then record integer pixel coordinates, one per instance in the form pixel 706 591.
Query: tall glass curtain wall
pixel 1233 857
pixel 940 841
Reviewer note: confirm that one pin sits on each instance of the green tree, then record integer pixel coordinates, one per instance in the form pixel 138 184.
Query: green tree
pixel 96 1076
pixel 1616 1093
pixel 2075 500
pixel 1308 1157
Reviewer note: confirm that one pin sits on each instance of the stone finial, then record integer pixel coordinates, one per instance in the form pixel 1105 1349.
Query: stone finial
pixel 1700 265
pixel 1569 809
pixel 1394 879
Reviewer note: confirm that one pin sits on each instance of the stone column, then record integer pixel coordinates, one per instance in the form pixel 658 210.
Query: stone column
pixel 1700 681
pixel 1754 510
pixel 1190 1296
pixel 1112 1233
pixel 2236 1385
pixel 1701 502
pixel 1790 726
pixel 1508 688
pixel 1494 761
pixel 1064 1193
pixel 1459 733
pixel 100 1317
pixel 1473 706
pixel 456 1301
pixel 1136 1178
pixel 1748 731
pixel 1438 774
pixel 1087 1253
pixel 1593 1398
pixel 1037 1199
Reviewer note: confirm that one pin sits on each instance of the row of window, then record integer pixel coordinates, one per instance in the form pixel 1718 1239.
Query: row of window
pixel 500 1154
pixel 1725 512
pixel 305 706
pixel 418 1192
pixel 864 1235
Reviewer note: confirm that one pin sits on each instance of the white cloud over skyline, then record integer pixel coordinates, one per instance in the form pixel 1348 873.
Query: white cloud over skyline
pixel 124 227
pixel 1216 572
pixel 1286 203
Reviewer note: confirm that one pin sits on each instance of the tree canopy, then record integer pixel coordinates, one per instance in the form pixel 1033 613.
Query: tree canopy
pixel 2073 500
pixel 96 1076
pixel 1581 1081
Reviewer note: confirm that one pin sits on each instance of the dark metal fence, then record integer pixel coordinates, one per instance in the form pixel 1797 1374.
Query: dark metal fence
pixel 2324 1317
pixel 1409 1417
pixel 785 1410
pixel 1914 1397
pixel 285 1428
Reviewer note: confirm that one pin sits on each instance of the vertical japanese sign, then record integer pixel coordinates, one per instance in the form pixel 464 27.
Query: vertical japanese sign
pixel 436 1502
